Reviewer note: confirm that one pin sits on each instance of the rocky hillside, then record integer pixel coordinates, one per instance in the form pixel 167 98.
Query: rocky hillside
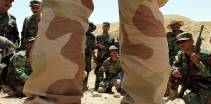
pixel 190 26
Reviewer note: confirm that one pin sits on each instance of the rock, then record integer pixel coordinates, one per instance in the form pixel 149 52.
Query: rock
pixel 96 94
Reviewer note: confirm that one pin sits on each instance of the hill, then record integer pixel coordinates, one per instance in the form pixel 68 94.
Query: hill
pixel 190 26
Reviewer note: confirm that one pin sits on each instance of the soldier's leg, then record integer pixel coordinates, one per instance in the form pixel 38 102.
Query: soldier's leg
pixel 19 90
pixel 147 68
pixel 173 91
pixel 172 87
pixel 57 55
pixel 88 68
pixel 97 81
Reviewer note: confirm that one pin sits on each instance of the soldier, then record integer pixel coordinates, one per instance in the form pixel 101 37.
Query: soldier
pixel 173 50
pixel 200 74
pixel 30 24
pixel 9 47
pixel 104 41
pixel 8 26
pixel 89 51
pixel 57 55
pixel 171 38
pixel 19 70
pixel 113 72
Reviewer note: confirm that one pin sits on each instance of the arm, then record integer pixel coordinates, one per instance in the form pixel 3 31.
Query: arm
pixel 203 68
pixel 15 33
pixel 94 45
pixel 23 33
pixel 19 65
pixel 102 70
pixel 5 43
pixel 177 67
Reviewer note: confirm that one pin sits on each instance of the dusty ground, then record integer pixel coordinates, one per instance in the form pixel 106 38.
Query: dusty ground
pixel 4 99
pixel 87 99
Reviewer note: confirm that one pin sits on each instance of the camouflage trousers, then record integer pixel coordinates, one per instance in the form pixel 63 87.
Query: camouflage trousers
pixel 198 97
pixel 58 52
pixel 117 82
pixel 97 68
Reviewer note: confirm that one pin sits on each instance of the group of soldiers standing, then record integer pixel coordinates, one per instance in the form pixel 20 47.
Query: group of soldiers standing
pixel 191 68
pixel 107 59
pixel 15 65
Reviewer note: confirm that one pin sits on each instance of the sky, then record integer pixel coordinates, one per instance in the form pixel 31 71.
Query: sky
pixel 107 10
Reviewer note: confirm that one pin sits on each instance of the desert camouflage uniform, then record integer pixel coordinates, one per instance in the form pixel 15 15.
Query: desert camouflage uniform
pixel 57 55
pixel 201 78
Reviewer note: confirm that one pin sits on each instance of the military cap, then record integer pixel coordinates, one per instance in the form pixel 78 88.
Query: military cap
pixel 30 39
pixel 184 36
pixel 106 24
pixel 174 22
pixel 35 2
pixel 113 47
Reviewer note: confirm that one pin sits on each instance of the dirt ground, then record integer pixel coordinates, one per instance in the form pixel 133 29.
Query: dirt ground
pixel 87 98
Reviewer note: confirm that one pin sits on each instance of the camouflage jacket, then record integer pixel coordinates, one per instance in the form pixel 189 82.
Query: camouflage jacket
pixel 90 43
pixel 110 68
pixel 19 69
pixel 201 73
pixel 5 43
pixel 30 28
pixel 107 41
pixel 8 28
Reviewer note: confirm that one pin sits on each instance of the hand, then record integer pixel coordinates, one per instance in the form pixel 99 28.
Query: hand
pixel 195 58
pixel 101 46
pixel 176 74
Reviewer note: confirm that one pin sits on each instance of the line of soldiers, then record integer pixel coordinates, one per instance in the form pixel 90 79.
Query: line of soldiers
pixel 190 69
pixel 15 67
pixel 107 61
